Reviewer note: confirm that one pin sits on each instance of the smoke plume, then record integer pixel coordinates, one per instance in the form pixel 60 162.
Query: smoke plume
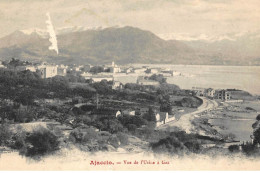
pixel 52 39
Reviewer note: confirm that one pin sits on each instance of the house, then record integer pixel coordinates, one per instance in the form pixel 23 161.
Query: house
pixel 161 118
pixel 223 95
pixel 198 91
pixel 210 92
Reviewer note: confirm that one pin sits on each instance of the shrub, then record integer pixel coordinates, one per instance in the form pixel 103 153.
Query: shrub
pixel 249 149
pixel 5 134
pixel 41 141
pixel 83 135
pixel 258 117
pixel 233 148
pixel 257 136
pixel 123 138
pixel 193 146
pixel 114 141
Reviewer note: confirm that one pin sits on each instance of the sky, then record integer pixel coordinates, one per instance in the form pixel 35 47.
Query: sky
pixel 163 17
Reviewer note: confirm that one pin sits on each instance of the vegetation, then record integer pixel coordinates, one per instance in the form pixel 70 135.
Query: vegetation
pixel 177 143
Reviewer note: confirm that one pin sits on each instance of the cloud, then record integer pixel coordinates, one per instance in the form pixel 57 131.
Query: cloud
pixel 210 17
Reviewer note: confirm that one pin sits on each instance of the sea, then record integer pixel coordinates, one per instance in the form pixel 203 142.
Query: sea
pixel 208 76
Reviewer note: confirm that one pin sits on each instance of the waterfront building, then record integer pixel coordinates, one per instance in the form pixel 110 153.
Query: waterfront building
pixel 198 91
pixel 224 95
pixel 210 92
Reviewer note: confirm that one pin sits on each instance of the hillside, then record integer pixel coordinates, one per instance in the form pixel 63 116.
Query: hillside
pixel 123 45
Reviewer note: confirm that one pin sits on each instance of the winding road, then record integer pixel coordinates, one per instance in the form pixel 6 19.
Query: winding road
pixel 184 121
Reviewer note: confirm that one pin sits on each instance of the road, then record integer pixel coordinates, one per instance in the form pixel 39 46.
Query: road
pixel 184 121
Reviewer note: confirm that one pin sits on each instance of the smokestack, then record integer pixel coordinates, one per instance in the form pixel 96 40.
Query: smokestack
pixel 52 39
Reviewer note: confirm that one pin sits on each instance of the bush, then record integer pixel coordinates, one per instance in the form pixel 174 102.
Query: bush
pixel 5 134
pixel 114 141
pixel 41 141
pixel 257 136
pixel 83 135
pixel 123 138
pixel 233 148
pixel 258 117
pixel 193 146
pixel 249 149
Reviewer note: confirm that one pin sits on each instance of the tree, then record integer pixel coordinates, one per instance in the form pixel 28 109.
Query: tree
pixel 257 136
pixel 150 115
pixel 97 69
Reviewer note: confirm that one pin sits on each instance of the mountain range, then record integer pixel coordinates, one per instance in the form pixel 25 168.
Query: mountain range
pixel 79 45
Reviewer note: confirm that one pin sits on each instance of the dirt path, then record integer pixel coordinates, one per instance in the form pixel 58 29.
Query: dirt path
pixel 184 122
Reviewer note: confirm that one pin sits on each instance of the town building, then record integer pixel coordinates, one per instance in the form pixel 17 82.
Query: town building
pixel 224 95
pixel 210 92
pixel 114 68
pixel 47 71
pixel 198 91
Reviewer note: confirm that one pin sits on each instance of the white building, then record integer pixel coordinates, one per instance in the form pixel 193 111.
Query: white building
pixel 114 68
pixel 47 71
pixel 210 92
